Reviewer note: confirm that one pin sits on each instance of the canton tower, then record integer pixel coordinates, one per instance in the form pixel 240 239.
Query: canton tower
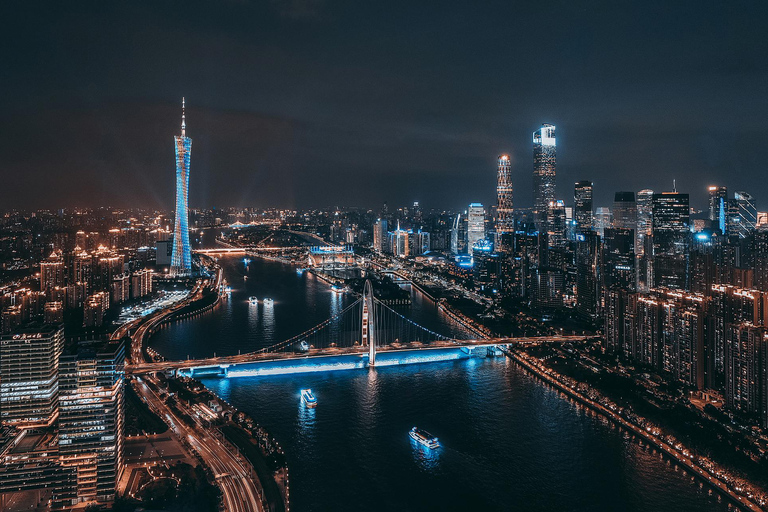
pixel 181 258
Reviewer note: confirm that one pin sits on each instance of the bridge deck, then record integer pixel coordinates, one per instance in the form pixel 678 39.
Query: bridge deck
pixel 256 357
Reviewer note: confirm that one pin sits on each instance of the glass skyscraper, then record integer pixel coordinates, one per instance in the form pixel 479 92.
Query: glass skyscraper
pixel 505 226
pixel 181 258
pixel 543 172
pixel 475 224
pixel 582 204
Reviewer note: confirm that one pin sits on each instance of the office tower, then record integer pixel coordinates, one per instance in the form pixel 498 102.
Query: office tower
pixel 671 215
pixel 379 234
pixel 619 258
pixel 556 225
pixel 455 225
pixel 181 257
pixel 420 242
pixel 744 215
pixel 602 219
pixel 582 205
pixel 644 219
pixel 475 224
pixel 486 266
pixel 51 273
pixel 544 163
pixel 643 238
pixel 91 415
pixel 505 225
pixel 588 277
pixel 718 196
pixel 29 376
pixel 624 210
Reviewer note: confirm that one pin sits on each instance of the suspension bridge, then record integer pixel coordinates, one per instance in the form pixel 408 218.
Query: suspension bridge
pixel 367 333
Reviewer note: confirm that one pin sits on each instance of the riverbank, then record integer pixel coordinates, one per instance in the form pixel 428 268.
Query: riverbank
pixel 650 434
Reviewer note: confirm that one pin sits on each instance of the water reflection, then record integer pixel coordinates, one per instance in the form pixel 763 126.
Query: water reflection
pixel 269 322
pixel 426 458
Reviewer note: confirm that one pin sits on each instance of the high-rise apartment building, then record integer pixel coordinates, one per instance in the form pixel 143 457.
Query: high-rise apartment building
pixel 181 257
pixel 29 376
pixel 544 164
pixel 91 415
pixel 51 273
pixel 475 224
pixel 582 205
pixel 505 224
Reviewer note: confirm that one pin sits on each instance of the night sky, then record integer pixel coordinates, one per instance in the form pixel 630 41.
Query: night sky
pixel 312 103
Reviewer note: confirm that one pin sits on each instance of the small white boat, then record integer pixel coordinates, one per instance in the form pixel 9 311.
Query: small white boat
pixel 308 398
pixel 268 302
pixel 424 438
pixel 253 301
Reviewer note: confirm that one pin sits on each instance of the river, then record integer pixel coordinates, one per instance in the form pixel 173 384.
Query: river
pixel 509 441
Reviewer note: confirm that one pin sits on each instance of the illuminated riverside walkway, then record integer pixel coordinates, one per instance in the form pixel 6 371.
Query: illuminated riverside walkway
pixel 351 339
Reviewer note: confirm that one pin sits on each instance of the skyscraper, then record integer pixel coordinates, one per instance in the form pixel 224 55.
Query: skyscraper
pixel 543 172
pixel 181 258
pixel 745 218
pixel 582 204
pixel 506 223
pixel 476 224
pixel 642 237
pixel 624 210
pixel 91 415
pixel 671 215
pixel 29 376
pixel 717 197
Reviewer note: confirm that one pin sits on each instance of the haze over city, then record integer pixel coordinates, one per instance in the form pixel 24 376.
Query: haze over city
pixel 304 103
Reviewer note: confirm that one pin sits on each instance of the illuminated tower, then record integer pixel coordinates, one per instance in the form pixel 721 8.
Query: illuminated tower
pixel 543 172
pixel 506 223
pixel 181 258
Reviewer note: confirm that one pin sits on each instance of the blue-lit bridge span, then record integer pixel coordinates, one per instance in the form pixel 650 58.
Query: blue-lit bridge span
pixel 365 333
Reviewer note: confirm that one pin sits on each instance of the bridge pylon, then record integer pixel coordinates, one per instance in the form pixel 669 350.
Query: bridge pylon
pixel 368 323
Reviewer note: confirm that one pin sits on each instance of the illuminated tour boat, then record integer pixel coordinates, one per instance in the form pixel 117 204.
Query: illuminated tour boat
pixel 424 438
pixel 308 398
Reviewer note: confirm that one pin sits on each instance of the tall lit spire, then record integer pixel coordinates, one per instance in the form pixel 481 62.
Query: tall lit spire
pixel 183 120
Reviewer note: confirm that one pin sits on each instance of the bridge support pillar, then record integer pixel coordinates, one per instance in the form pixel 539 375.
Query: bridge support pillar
pixel 368 323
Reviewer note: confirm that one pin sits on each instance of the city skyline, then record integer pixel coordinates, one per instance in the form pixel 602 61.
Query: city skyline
pixel 629 111
pixel 479 255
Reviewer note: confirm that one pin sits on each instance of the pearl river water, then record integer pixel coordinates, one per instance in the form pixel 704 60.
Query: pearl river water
pixel 509 442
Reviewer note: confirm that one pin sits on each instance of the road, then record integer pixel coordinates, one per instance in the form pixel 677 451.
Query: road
pixel 233 475
pixel 682 457
pixel 252 357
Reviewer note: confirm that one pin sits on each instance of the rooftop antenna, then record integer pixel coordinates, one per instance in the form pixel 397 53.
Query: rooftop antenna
pixel 183 120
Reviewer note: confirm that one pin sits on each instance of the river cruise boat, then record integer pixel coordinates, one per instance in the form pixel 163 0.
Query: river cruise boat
pixel 268 302
pixel 424 438
pixel 308 398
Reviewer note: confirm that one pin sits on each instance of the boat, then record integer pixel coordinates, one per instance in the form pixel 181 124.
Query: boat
pixel 308 398
pixel 253 301
pixel 336 288
pixel 424 438
pixel 268 301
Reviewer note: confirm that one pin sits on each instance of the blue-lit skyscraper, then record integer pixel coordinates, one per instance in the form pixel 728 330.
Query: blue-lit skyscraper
pixel 181 258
